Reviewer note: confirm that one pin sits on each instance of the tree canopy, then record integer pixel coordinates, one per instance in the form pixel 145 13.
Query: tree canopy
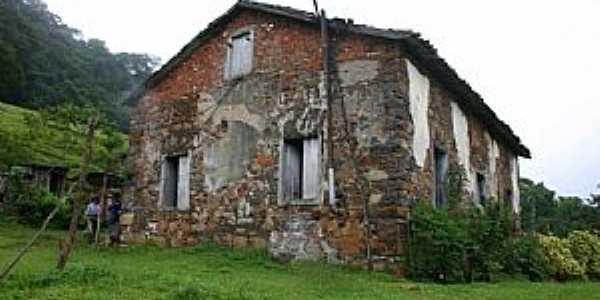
pixel 44 62
pixel 544 211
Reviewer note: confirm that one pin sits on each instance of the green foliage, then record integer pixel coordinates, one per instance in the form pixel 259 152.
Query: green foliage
pixel 56 137
pixel 525 256
pixel 544 212
pixel 459 242
pixel 45 63
pixel 437 245
pixel 489 234
pixel 448 246
pixel 31 204
pixel 560 259
pixel 454 188
pixel 585 248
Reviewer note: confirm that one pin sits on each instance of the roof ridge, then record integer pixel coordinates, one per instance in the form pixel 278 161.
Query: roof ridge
pixel 418 47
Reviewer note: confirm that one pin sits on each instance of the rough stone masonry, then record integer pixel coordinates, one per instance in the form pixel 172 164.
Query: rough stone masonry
pixel 229 140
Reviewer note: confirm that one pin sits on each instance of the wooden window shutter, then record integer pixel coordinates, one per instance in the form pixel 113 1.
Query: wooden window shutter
pixel 291 173
pixel 240 56
pixel 162 183
pixel 183 184
pixel 311 169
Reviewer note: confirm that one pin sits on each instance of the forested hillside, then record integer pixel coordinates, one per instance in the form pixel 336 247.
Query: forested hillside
pixel 44 62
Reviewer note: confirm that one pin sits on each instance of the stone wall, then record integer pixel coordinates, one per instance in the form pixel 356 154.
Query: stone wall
pixel 233 132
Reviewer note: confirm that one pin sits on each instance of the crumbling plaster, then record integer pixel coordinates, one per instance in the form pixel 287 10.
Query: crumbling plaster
pixel 419 108
pixel 460 128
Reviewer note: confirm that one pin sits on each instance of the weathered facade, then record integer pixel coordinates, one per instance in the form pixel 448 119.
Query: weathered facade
pixel 230 139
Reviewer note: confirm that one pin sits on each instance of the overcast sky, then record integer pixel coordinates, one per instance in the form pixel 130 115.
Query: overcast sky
pixel 535 62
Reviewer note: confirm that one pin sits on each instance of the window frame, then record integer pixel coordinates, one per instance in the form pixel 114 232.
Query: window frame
pixel 177 204
pixel 229 73
pixel 301 200
pixel 439 188
pixel 481 186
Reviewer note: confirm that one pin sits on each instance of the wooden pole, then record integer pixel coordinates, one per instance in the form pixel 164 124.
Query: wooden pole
pixel 326 57
pixel 103 203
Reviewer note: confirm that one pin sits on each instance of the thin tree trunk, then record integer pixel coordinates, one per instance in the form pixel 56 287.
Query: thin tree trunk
pixel 66 246
pixel 103 203
pixel 6 271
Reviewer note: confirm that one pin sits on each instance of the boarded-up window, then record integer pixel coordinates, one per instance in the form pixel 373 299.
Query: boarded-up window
pixel 441 172
pixel 239 55
pixel 508 196
pixel 301 163
pixel 481 190
pixel 175 182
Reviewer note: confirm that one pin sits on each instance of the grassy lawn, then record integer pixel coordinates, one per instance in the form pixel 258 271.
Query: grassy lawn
pixel 209 272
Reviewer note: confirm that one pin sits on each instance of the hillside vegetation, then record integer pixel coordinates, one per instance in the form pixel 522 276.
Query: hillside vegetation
pixel 44 63
pixel 25 138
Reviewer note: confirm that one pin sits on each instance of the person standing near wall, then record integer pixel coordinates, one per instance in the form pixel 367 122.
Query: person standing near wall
pixel 92 213
pixel 114 226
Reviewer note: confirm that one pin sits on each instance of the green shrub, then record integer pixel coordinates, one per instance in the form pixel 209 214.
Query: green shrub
pixel 31 204
pixel 563 266
pixel 458 242
pixel 437 245
pixel 526 257
pixel 585 248
pixel 488 241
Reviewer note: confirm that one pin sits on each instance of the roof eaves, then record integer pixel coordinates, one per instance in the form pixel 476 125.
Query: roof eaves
pixel 469 99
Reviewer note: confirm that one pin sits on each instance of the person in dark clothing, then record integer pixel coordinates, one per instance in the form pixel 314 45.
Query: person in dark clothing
pixel 114 214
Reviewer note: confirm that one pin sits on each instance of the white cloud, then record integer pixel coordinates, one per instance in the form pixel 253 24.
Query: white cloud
pixel 535 62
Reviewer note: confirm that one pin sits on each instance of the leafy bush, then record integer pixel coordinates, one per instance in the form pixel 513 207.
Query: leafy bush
pixel 31 204
pixel 489 235
pixel 437 245
pixel 562 264
pixel 585 248
pixel 525 256
pixel 459 242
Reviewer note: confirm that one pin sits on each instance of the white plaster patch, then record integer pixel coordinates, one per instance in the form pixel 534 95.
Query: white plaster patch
pixel 493 155
pixel 356 71
pixel 514 174
pixel 419 106
pixel 460 128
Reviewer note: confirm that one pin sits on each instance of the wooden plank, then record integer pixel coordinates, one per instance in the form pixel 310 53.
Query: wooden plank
pixel 311 168
pixel 183 184
pixel 291 172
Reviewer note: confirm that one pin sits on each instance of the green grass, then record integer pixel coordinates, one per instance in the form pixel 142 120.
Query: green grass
pixel 56 147
pixel 210 272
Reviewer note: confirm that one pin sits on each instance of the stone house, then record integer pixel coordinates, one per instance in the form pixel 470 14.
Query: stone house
pixel 308 136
